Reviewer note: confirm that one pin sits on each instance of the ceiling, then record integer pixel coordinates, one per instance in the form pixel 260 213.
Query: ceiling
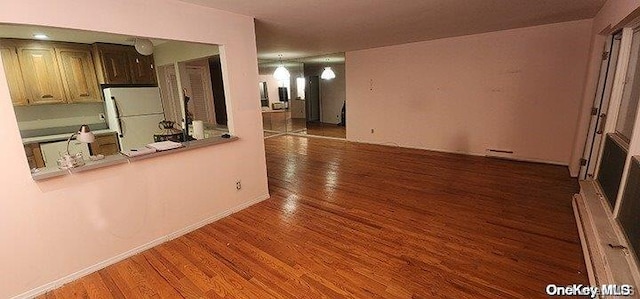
pixel 67 35
pixel 328 59
pixel 302 28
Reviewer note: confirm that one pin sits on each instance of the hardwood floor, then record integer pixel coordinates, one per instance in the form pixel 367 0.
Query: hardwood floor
pixel 327 130
pixel 350 220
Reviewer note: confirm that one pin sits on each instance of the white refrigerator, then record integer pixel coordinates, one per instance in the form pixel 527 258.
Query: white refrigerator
pixel 134 113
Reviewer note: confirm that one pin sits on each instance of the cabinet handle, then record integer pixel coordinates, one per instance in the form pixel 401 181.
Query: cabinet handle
pixel 84 95
pixel 47 96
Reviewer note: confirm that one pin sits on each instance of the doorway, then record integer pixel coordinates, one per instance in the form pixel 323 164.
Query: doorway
pixel 313 99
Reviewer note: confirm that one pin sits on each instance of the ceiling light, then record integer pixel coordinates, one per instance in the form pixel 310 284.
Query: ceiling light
pixel 281 73
pixel 144 46
pixel 328 74
pixel 40 36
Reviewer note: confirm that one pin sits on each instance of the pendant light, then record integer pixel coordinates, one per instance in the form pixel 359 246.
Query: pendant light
pixel 328 74
pixel 143 46
pixel 281 73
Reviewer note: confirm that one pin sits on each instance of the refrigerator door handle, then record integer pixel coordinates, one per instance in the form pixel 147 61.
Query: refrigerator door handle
pixel 120 128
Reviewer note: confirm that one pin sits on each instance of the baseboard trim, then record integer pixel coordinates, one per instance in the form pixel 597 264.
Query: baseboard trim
pixel 513 158
pixel 101 265
pixel 315 136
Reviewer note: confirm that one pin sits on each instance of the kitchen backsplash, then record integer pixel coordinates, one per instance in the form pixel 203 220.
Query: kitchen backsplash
pixel 42 120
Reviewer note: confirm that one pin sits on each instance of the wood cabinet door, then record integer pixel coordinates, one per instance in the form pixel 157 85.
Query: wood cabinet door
pixel 41 75
pixel 142 69
pixel 114 64
pixel 13 73
pixel 34 155
pixel 78 75
pixel 105 145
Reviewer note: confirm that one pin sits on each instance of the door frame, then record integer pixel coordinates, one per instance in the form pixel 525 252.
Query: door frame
pixel 602 97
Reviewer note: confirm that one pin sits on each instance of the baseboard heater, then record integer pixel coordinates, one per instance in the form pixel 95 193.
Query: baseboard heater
pixel 499 153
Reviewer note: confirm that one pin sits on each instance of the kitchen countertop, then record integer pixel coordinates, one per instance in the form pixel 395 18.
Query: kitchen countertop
pixel 51 172
pixel 275 111
pixel 60 137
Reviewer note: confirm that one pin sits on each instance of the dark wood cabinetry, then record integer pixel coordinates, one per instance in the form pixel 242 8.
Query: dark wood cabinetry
pixel 119 64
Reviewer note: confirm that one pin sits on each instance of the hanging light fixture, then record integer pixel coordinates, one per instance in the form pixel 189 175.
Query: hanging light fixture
pixel 281 73
pixel 143 46
pixel 328 74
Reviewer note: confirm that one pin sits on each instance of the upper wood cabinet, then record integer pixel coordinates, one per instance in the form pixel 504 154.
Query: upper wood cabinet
pixel 78 75
pixel 119 64
pixel 9 55
pixel 112 63
pixel 142 68
pixel 40 73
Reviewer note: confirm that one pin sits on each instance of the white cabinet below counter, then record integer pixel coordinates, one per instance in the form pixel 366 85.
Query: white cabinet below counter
pixel 52 151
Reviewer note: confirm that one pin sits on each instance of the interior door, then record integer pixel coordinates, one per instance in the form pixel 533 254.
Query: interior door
pixel 313 99
pixel 201 104
pixel 600 106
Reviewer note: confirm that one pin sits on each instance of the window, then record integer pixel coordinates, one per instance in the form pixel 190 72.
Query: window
pixel 631 94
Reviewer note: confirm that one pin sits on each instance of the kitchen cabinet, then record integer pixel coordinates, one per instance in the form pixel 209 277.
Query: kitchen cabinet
pixel 142 69
pixel 9 55
pixel 120 64
pixel 78 74
pixel 34 155
pixel 105 145
pixel 40 72
pixel 112 63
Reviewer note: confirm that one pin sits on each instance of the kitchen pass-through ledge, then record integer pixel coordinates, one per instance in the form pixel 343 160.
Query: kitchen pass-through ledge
pixel 47 173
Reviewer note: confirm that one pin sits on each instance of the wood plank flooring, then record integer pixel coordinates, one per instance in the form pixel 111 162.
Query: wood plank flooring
pixel 324 129
pixel 350 220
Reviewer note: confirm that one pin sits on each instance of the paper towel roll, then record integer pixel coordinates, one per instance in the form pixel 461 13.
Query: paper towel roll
pixel 198 129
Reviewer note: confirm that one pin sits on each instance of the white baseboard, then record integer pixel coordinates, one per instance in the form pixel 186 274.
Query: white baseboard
pixel 101 265
pixel 513 158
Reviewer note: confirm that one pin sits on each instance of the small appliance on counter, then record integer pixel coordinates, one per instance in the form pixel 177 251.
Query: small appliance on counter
pixel 168 132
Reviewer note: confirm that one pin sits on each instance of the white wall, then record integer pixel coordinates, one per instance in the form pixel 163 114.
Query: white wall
pixel 517 90
pixel 51 229
pixel 173 51
pixel 332 92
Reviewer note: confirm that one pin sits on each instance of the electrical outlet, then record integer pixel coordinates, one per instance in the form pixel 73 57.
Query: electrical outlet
pixel 238 185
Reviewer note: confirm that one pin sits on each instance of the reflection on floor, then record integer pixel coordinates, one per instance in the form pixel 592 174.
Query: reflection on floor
pixel 298 125
pixel 327 130
pixel 270 133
